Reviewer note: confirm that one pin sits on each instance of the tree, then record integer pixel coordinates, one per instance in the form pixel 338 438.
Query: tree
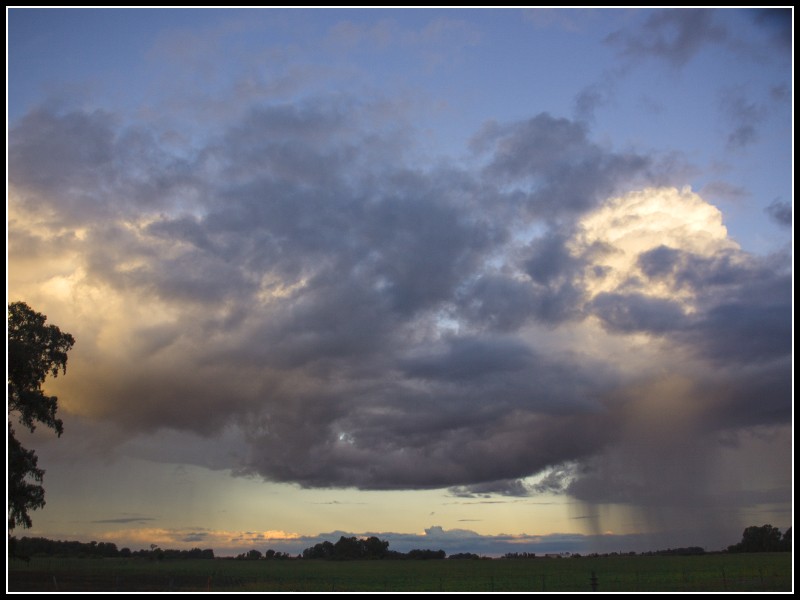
pixel 375 547
pixel 348 548
pixel 35 350
pixel 786 541
pixel 759 539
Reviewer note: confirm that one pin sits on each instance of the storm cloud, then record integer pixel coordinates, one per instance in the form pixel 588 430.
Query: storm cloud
pixel 365 320
pixel 553 164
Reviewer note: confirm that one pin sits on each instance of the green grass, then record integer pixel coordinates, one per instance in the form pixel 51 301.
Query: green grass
pixel 717 572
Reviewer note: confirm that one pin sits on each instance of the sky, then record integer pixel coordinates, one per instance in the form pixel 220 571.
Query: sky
pixel 480 280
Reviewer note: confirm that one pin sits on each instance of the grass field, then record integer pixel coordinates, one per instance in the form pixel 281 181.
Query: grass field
pixel 717 572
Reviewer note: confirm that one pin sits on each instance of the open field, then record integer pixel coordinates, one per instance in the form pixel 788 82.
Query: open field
pixel 717 572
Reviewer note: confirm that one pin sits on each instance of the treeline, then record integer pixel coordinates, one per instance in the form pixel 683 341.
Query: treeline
pixel 690 551
pixel 27 547
pixel 765 538
pixel 167 553
pixel 268 555
pixel 371 548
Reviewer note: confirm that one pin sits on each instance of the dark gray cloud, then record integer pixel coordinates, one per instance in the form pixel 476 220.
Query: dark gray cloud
pixel 754 396
pixel 75 150
pixel 672 35
pixel 745 332
pixel 745 116
pixel 421 440
pixel 550 260
pixel 560 171
pixel 725 271
pixel 659 262
pixel 590 99
pixel 630 313
pixel 471 359
pixel 87 167
pixel 507 487
pixel 543 286
pixel 125 520
pixel 777 22
pixel 781 212
pixel 747 304
pixel 366 321
pixel 780 93
pixel 498 302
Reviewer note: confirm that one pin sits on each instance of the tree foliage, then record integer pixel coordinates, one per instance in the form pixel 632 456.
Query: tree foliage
pixel 35 350
pixel 786 541
pixel 424 554
pixel 765 538
pixel 349 548
pixel 38 546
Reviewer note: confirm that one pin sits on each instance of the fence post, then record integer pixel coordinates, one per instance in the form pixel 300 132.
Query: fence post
pixel 593 581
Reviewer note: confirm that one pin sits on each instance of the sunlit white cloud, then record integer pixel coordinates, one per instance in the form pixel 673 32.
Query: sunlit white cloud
pixel 624 230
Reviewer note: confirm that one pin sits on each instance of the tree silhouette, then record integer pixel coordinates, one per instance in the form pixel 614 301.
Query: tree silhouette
pixel 349 548
pixel 35 350
pixel 760 539
pixel 786 541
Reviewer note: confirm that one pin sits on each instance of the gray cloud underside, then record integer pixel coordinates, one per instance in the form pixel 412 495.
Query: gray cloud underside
pixel 745 116
pixel 126 520
pixel 674 36
pixel 777 23
pixel 781 212
pixel 366 320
